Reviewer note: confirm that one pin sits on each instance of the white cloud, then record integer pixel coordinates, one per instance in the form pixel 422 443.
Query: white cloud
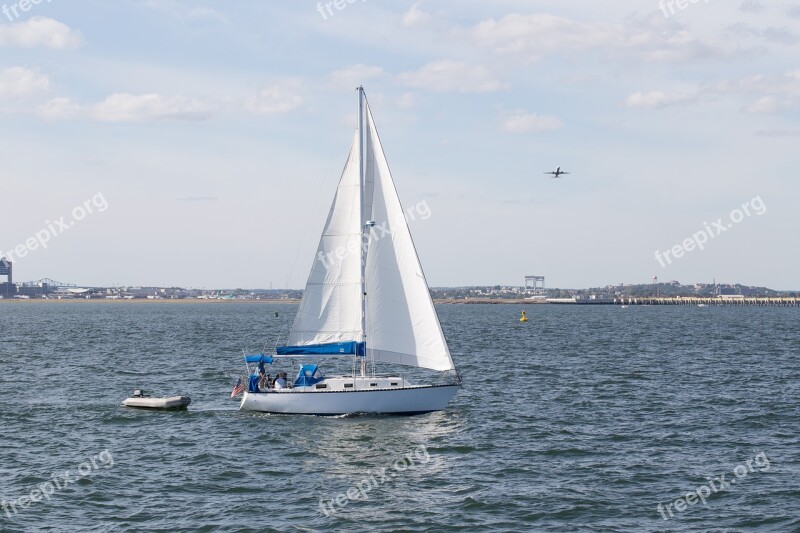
pixel 765 94
pixel 537 34
pixel 18 81
pixel 124 107
pixel 415 16
pixel 659 99
pixel 279 97
pixel 524 122
pixel 353 75
pixel 752 6
pixel 778 132
pixel 202 12
pixel 185 12
pixel 764 105
pixel 406 101
pixel 452 76
pixel 770 34
pixel 200 199
pixel 39 31
pixel 651 38
pixel 58 108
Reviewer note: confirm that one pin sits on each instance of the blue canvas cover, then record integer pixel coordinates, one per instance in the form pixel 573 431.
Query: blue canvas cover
pixel 308 375
pixel 258 358
pixel 333 348
pixel 252 386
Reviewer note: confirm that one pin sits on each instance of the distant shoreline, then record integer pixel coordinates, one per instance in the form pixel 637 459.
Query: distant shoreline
pixel 493 301
pixel 279 301
pixel 147 301
pixel 624 302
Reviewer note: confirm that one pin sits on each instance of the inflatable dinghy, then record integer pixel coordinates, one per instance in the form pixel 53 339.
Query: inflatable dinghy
pixel 141 400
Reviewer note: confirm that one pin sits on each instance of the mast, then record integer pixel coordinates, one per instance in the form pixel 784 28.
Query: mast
pixel 362 181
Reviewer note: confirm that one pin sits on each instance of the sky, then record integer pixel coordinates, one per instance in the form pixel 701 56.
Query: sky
pixel 199 144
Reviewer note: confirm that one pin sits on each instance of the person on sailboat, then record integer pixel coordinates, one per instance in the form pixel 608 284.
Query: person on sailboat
pixel 280 383
pixel 264 383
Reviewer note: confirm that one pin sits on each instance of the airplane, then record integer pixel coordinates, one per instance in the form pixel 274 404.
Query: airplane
pixel 558 172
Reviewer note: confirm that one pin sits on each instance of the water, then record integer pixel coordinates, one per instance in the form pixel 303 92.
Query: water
pixel 583 419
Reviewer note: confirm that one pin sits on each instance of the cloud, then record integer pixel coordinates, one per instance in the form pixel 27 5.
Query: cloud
pixel 659 99
pixel 59 109
pixel 352 76
pixel 524 122
pixel 94 160
pixel 766 94
pixel 185 12
pixel 752 6
pixel 39 31
pixel 18 81
pixel 124 107
pixel 537 34
pixel 780 35
pixel 774 35
pixel 198 199
pixel 452 76
pixel 651 38
pixel 406 100
pixel 279 97
pixel 765 105
pixel 778 133
pixel 415 16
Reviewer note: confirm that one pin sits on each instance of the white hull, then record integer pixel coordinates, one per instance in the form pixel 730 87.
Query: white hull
pixel 173 402
pixel 306 401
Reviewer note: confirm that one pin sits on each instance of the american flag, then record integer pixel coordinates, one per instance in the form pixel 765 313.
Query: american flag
pixel 238 389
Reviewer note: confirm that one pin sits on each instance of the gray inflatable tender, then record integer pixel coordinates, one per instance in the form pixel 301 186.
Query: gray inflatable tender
pixel 141 400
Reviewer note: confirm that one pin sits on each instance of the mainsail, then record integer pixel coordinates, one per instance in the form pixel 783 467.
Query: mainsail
pixel 329 317
pixel 367 223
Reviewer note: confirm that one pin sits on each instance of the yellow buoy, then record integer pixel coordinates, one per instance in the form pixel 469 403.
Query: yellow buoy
pixel 523 318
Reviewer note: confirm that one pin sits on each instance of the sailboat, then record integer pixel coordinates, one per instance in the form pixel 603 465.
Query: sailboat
pixel 367 299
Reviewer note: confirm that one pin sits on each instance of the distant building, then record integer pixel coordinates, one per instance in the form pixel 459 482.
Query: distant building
pixel 535 284
pixel 34 290
pixel 7 288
